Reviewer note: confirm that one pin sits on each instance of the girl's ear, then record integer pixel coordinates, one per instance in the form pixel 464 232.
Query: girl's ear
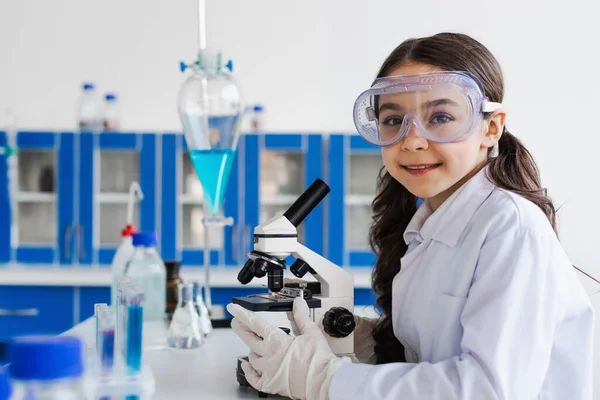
pixel 495 127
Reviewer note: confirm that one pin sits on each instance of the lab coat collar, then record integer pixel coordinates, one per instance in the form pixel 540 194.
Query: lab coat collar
pixel 449 221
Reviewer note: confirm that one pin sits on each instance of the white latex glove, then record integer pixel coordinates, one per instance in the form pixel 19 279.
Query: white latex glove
pixel 299 367
pixel 364 344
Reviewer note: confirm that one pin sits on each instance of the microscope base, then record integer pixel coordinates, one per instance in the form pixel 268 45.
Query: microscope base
pixel 241 378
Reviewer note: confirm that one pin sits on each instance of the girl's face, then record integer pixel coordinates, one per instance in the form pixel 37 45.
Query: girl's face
pixel 451 164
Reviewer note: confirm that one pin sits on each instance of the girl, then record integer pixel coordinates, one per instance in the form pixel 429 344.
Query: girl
pixel 478 299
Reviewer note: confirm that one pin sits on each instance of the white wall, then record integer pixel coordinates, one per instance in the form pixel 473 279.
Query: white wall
pixel 306 61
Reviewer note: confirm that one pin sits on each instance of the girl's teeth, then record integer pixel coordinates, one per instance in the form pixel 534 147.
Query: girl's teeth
pixel 422 167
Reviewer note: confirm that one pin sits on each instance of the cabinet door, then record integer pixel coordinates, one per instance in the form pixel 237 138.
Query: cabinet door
pixel 44 198
pixel 109 162
pixel 182 230
pixel 5 207
pixel 354 165
pixel 278 168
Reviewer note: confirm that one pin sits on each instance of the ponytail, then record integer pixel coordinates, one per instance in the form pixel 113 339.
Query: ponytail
pixel 515 170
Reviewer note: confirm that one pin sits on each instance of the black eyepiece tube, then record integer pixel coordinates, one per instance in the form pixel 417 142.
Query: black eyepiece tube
pixel 307 201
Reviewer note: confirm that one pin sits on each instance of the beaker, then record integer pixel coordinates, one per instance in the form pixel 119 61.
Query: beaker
pixel 185 331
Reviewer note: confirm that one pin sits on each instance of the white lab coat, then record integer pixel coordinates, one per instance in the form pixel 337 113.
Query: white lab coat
pixel 487 306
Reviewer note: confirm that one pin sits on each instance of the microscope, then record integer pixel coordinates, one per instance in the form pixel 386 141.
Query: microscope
pixel 330 298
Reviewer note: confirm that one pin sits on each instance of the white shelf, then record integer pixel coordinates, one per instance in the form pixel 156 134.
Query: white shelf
pixel 113 198
pixel 278 200
pixel 191 199
pixel 358 199
pixel 35 197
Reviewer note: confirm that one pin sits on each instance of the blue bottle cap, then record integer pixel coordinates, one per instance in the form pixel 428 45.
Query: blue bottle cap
pixel 5 387
pixel 88 86
pixel 44 358
pixel 146 239
pixel 258 108
pixel 110 97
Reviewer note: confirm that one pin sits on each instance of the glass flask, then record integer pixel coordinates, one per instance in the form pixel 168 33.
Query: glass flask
pixel 202 310
pixel 185 331
pixel 210 109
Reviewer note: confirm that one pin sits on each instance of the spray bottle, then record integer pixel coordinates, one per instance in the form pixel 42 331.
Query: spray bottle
pixel 126 248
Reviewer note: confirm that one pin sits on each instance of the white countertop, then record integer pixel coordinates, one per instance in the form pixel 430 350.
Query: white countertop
pixel 208 372
pixel 56 275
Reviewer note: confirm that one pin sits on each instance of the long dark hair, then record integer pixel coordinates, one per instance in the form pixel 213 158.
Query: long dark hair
pixel 513 169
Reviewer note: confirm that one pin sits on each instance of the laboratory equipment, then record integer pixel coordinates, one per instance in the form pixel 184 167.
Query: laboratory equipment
pixel 173 280
pixel 210 108
pixel 89 117
pixel 147 271
pixel 330 298
pixel 46 367
pixel 126 249
pixel 202 310
pixel 111 119
pixel 5 385
pixel 129 328
pixel 185 331
pixel 98 309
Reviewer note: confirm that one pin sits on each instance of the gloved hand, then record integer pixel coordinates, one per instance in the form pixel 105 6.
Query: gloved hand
pixel 364 344
pixel 299 367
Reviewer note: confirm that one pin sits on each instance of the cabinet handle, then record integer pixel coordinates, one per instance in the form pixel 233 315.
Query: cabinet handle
pixel 67 243
pixel 80 244
pixel 25 312
pixel 235 243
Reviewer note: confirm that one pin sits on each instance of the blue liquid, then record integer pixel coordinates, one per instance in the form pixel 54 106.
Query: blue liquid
pixel 133 357
pixel 213 168
pixel 108 349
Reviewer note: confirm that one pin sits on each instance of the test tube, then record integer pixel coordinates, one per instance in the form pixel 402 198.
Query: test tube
pixel 106 334
pixel 133 302
pixel 121 317
pixel 98 309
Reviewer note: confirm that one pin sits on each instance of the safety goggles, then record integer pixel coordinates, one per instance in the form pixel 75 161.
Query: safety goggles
pixel 439 106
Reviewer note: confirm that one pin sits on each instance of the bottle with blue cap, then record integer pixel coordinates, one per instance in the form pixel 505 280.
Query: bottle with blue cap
pixel 111 120
pixel 147 271
pixel 46 368
pixel 89 109
pixel 5 385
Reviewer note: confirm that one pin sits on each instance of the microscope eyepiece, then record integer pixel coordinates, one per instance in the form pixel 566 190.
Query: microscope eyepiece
pixel 307 202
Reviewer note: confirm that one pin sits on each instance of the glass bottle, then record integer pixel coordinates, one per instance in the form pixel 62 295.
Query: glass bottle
pixel 173 280
pixel 185 331
pixel 202 310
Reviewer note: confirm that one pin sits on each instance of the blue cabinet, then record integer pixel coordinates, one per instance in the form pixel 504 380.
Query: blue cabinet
pixel 277 169
pixel 353 166
pixel 42 201
pixel 182 211
pixel 108 163
pixel 35 310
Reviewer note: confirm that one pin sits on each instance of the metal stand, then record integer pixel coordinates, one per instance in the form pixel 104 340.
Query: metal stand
pixel 209 222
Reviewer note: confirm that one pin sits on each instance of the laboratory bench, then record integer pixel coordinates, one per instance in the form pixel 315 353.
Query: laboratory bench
pixel 208 372
pixel 52 299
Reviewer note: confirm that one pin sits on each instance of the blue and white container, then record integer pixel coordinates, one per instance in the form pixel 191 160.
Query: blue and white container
pixel 149 274
pixel 46 368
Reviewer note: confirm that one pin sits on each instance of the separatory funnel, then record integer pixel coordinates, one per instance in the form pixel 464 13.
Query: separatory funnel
pixel 210 108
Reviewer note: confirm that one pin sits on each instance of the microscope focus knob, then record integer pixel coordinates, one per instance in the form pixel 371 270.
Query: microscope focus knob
pixel 338 322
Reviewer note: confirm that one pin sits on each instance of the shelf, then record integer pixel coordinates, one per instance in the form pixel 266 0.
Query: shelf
pixel 191 199
pixel 278 200
pixel 113 198
pixel 359 199
pixel 35 197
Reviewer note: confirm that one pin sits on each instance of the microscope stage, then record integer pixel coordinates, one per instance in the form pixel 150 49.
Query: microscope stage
pixel 271 302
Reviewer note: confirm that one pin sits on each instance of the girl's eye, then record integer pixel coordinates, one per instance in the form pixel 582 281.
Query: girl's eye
pixel 393 121
pixel 441 119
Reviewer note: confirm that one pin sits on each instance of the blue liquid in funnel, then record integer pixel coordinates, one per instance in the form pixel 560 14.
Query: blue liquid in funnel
pixel 213 167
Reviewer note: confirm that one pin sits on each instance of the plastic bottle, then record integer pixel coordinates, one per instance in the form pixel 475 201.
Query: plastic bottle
pixel 89 117
pixel 122 256
pixel 258 122
pixel 46 368
pixel 5 385
pixel 112 116
pixel 147 270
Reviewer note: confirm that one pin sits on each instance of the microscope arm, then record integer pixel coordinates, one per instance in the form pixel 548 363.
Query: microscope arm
pixel 335 281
